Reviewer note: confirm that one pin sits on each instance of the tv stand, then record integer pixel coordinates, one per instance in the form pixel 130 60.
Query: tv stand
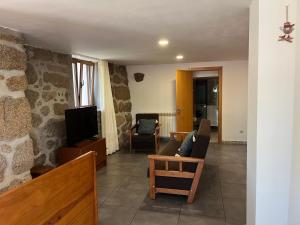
pixel 93 138
pixel 65 154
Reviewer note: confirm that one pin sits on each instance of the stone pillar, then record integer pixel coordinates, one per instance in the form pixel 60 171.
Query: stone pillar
pixel 16 150
pixel 122 102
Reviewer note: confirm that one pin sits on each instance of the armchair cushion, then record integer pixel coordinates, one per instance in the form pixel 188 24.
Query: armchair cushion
pixel 187 144
pixel 143 141
pixel 147 126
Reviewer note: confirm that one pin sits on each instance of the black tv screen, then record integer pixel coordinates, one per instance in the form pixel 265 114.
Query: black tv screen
pixel 81 123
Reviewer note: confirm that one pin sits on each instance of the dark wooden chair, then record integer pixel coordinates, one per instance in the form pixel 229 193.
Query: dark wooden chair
pixel 179 175
pixel 144 141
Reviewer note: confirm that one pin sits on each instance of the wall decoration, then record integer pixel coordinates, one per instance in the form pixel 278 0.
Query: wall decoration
pixel 287 29
pixel 138 77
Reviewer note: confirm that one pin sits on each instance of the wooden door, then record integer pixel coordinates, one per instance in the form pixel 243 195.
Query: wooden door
pixel 184 100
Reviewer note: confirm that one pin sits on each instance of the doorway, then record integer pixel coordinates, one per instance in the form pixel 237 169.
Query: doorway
pixel 205 105
pixel 207 99
pixel 199 95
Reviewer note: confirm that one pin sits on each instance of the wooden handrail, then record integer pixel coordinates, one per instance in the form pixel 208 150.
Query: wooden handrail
pixel 175 159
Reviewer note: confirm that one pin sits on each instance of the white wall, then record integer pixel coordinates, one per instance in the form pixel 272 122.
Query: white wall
pixel 294 208
pixel 252 114
pixel 271 140
pixel 157 92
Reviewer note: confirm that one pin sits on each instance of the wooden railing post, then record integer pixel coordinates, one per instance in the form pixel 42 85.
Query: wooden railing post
pixel 180 166
pixel 195 183
pixel 152 178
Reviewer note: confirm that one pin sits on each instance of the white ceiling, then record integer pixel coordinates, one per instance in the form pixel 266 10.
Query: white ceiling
pixel 127 31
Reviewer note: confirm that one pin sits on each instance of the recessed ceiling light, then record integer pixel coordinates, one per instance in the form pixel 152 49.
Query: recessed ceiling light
pixel 163 42
pixel 179 57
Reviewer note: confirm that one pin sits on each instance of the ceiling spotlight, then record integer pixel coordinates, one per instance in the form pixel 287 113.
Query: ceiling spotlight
pixel 163 42
pixel 179 57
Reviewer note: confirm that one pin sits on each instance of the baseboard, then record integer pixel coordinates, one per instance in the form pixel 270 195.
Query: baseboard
pixel 234 142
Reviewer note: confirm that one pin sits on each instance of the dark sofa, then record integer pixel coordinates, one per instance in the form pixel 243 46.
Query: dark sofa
pixel 179 175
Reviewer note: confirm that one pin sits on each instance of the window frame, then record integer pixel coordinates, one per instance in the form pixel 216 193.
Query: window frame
pixel 78 81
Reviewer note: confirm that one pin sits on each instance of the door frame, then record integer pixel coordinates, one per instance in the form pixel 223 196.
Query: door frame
pixel 220 93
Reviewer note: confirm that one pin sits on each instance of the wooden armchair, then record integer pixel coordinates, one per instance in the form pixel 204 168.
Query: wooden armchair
pixel 179 175
pixel 144 141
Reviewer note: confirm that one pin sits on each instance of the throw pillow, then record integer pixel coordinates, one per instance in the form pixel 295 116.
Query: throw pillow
pixel 146 126
pixel 187 144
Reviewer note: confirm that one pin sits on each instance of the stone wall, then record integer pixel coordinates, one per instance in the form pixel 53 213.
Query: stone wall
pixel 122 103
pixel 16 150
pixel 49 77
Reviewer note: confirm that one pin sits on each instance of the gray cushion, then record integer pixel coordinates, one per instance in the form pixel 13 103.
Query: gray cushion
pixel 186 145
pixel 146 126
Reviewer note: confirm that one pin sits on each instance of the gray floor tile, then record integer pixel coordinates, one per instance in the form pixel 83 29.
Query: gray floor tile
pixel 204 207
pixel 209 189
pixel 136 183
pixel 163 203
pixel 233 190
pixel 235 210
pixel 125 197
pixel 233 173
pixel 143 217
pixel 200 220
pixel 110 180
pixel 116 215
pixel 104 192
pixel 209 185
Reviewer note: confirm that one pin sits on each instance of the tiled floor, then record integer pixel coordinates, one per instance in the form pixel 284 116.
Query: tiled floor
pixel 221 199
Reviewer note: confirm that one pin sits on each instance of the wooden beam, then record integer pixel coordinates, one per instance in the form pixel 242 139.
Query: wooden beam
pixel 172 191
pixel 175 159
pixel 164 173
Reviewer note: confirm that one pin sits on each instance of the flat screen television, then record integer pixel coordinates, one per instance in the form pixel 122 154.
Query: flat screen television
pixel 81 123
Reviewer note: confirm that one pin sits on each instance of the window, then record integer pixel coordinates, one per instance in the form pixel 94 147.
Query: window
pixel 83 81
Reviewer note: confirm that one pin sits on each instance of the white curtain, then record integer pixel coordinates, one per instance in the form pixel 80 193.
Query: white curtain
pixel 104 101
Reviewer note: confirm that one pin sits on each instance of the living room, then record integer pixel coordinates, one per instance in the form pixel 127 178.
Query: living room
pixel 99 120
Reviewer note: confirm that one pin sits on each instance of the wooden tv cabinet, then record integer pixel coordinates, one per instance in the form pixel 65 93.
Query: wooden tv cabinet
pixel 66 154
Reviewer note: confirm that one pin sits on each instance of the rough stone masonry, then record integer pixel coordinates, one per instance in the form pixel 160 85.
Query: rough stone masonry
pixel 49 93
pixel 16 148
pixel 122 102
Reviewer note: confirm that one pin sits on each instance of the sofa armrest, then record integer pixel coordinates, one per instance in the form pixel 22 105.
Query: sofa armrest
pixel 133 127
pixel 180 135
pixel 130 131
pixel 157 130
